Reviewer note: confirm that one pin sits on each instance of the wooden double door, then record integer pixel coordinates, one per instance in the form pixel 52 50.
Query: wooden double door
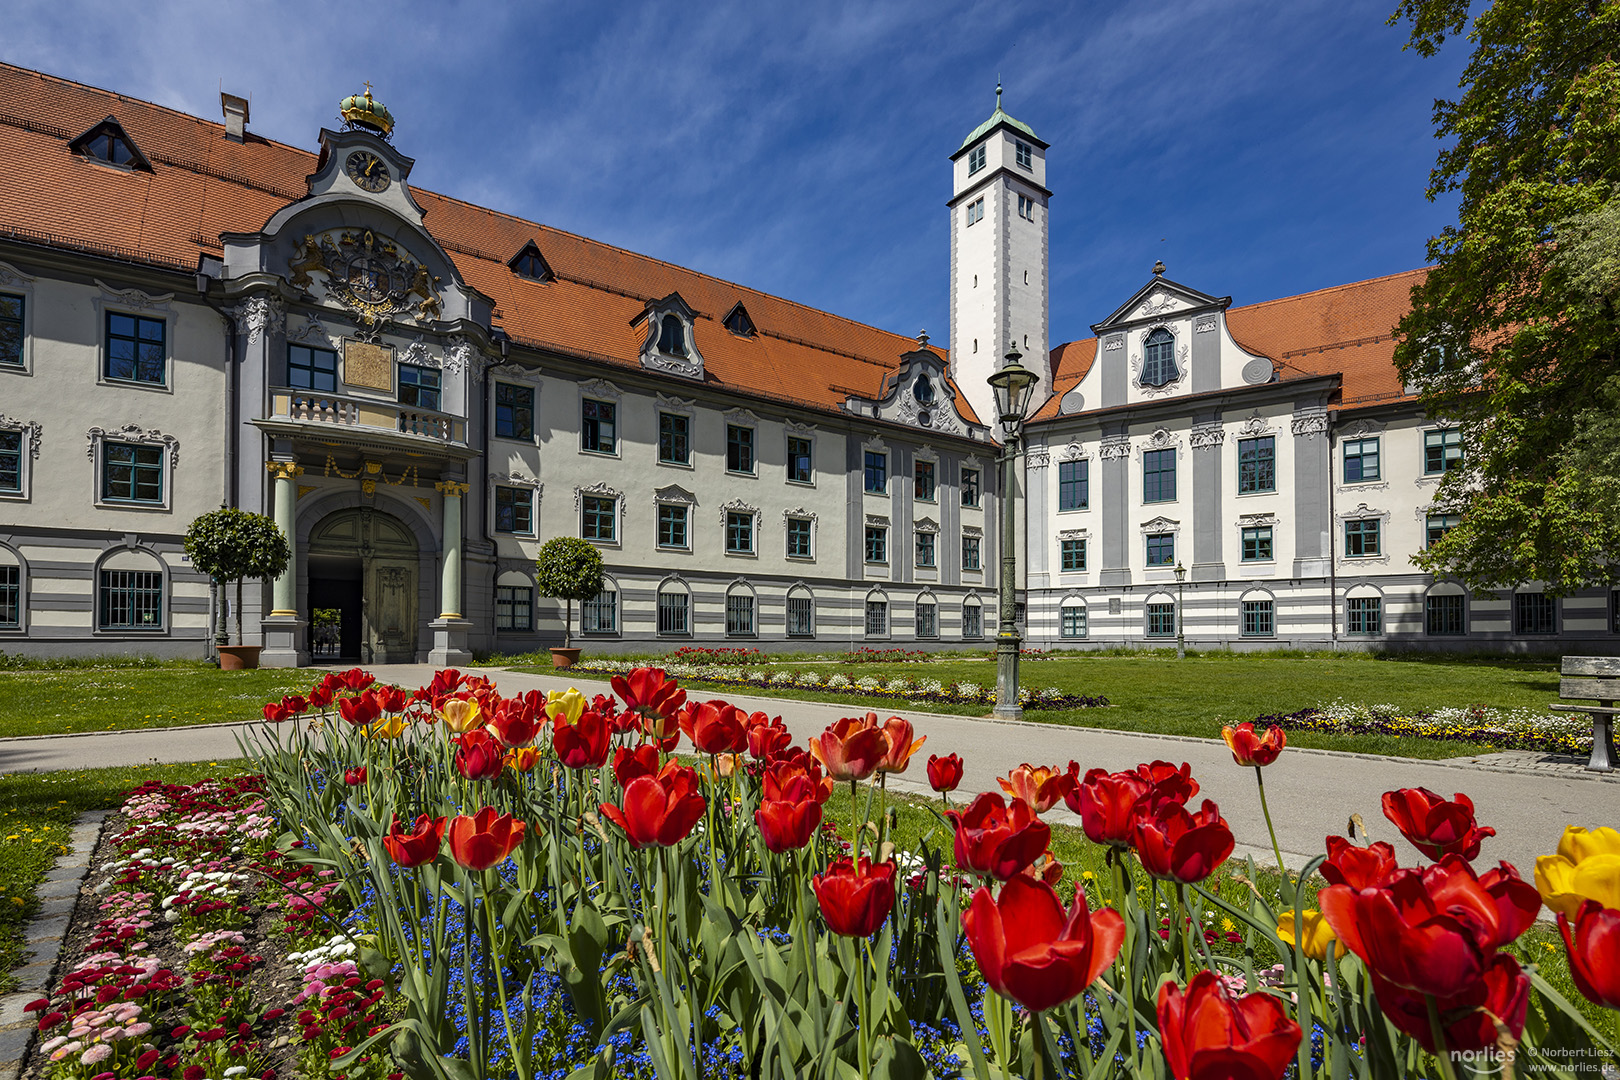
pixel 363 565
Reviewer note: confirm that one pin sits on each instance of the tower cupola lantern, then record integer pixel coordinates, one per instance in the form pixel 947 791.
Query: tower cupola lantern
pixel 367 113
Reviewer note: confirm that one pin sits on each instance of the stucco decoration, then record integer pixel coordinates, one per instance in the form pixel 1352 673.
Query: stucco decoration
pixel 1309 423
pixel 1250 521
pixel 419 354
pixel 875 445
pixel 927 525
pixel 1363 511
pixel 1072 534
pixel 797 512
pixel 600 490
pixel 926 453
pixel 513 372
pixel 1161 439
pixel 600 388
pixel 972 530
pixel 1204 324
pixel 737 506
pixel 1207 436
pixel 1114 448
pixel 10 275
pixel 1257 372
pixel 1036 457
pixel 1160 302
pixel 683 359
pixel 313 332
pixel 1254 426
pixel 460 354
pixel 1182 365
pixel 1360 429
pixel 935 417
pixel 134 298
pixel 740 417
pixel 879 520
pixel 675 405
pixel 803 431
pixel 1113 342
pixel 32 431
pixel 132 433
pixel 1073 452
pixel 368 275
pixel 261 315
pixel 674 494
pixel 1161 524
pixel 519 480
pixel 1072 402
pixel 514 566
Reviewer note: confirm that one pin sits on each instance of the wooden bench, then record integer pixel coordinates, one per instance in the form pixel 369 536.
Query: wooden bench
pixel 1593 678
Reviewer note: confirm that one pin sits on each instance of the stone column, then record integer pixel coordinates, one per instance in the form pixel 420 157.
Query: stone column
pixel 450 630
pixel 283 629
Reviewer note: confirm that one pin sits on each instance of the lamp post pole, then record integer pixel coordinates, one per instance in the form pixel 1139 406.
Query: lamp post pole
pixel 1013 385
pixel 1181 625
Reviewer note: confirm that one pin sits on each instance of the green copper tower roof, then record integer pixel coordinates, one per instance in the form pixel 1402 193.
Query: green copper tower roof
pixel 997 118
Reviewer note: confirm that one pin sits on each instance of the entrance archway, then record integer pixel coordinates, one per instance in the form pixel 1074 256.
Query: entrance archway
pixel 362 565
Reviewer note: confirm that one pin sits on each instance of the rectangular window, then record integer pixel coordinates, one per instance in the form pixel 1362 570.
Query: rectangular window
pixel 311 369
pixel 975 160
pixel 927 620
pixel 674 439
pixel 1437 525
pixel 1259 618
pixel 877 544
pixel 740 614
pixel 514 412
pixel 419 387
pixel 800 464
pixel 514 607
pixel 599 520
pixel 514 510
pixel 600 614
pixel 1022 154
pixel 672 526
pixel 136 350
pixel 1159 476
pixel 739 449
pixel 131 600
pixel 10 597
pixel 1026 208
pixel 1364 616
pixel 1361 537
pixel 131 473
pixel 877 472
pixel 739 532
pixel 800 617
pixel 1442 451
pixel 972 621
pixel 922 483
pixel 1443 615
pixel 1072 621
pixel 1257 544
pixel 598 432
pixel 673 613
pixel 1161 549
pixel 1161 620
pixel 1257 465
pixel 798 538
pixel 877 618
pixel 1360 460
pixel 970 553
pixel 11 452
pixel 975 211
pixel 970 487
pixel 1072 555
pixel 11 330
pixel 1534 613
pixel 1074 485
pixel 925 550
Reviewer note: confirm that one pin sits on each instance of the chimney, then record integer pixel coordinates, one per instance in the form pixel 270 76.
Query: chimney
pixel 236 115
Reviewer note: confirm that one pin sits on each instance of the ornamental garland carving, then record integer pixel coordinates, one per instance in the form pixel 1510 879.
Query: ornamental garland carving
pixel 1309 423
pixel 134 298
pixel 1036 457
pixel 133 433
pixel 803 431
pixel 261 315
pixel 675 494
pixel 675 404
pixel 927 525
pixel 935 417
pixel 1207 436
pixel 599 490
pixel 460 354
pixel 1159 440
pixel 313 332
pixel 1161 524
pixel 797 512
pixel 1360 429
pixel 1115 447
pixel 1073 452
pixel 368 275
pixel 737 506
pixel 600 388
pixel 1363 511
pixel 10 275
pixel 1257 425
pixel 518 480
pixel 31 429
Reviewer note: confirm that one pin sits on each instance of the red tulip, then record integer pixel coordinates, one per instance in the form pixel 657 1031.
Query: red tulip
pixel 276 712
pixel 1436 826
pixel 356 776
pixel 445 682
pixel 781 774
pixel 1358 867
pixel 517 721
pixel 480 842
pixel 359 710
pixel 1251 749
pixel 995 839
pixel 321 696
pixel 295 703
pixel 1180 846
pixel 1042 786
pixel 1170 782
pixel 629 764
pixel 392 698
pixel 897 732
pixel 647 692
pixel 1209 1033
pixel 767 738
pixel 851 748
pixel 716 727
pixel 355 679
pixel 583 745
pixel 420 845
pixel 1031 950
pixel 1106 803
pixel 659 810
pixel 788 823
pixel 664 731
pixel 479 755
pixel 1593 944
pixel 855 898
pixel 944 773
pixel 1501 992
pixel 1517 902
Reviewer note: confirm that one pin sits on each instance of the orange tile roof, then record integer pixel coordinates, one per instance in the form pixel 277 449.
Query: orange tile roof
pixel 203 184
pixel 1346 330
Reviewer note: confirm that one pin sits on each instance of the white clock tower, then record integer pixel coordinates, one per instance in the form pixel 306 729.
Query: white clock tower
pixel 999 294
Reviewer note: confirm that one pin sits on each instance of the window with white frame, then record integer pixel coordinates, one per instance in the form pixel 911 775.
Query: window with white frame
pixel 600 614
pixel 739 532
pixel 672 526
pixel 970 487
pixel 598 430
pixel 800 538
pixel 1257 465
pixel 1072 555
pixel 1445 614
pixel 12 450
pixel 672 335
pixel 1026 208
pixel 877 544
pixel 740 613
pixel 132 473
pixel 1161 620
pixel 1361 460
pixel 1361 537
pixel 514 607
pixel 975 211
pixel 1159 476
pixel 1442 451
pixel 927 619
pixel 514 510
pixel 419 387
pixel 514 412
pixel 136 349
pixel 310 368
pixel 674 438
pixel 739 449
pixel 972 619
pixel 877 618
pixel 12 309
pixel 1259 618
pixel 1161 549
pixel 925 550
pixel 1074 485
pixel 599 517
pixel 801 615
pixel 975 159
pixel 922 482
pixel 800 460
pixel 130 600
pixel 1364 616
pixel 970 552
pixel 1023 155
pixel 674 608
pixel 1255 543
pixel 1159 359
pixel 877 472
pixel 1072 621
pixel 1436 526
pixel 10 595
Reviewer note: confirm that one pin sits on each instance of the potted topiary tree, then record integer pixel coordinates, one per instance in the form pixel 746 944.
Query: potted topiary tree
pixel 229 545
pixel 568 569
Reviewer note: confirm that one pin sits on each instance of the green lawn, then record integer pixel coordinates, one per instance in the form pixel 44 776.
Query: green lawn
pixel 38 701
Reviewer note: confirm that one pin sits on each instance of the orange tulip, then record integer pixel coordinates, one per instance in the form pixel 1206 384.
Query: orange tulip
pixel 898 732
pixel 1042 786
pixel 851 748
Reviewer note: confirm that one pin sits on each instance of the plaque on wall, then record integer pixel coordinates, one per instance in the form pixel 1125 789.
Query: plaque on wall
pixel 367 365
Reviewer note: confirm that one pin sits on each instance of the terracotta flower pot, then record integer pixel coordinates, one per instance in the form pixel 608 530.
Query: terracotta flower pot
pixel 564 658
pixel 239 657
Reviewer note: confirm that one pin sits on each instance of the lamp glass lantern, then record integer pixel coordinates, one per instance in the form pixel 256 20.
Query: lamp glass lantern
pixel 1013 384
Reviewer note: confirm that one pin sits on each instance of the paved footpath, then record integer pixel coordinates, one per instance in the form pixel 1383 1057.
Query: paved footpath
pixel 1312 792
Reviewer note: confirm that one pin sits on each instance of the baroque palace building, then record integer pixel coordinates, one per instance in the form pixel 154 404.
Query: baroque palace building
pixel 421 392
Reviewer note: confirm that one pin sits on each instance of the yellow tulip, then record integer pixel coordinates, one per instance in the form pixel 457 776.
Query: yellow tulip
pixel 1318 934
pixel 1586 867
pixel 460 714
pixel 387 727
pixel 523 759
pixel 569 704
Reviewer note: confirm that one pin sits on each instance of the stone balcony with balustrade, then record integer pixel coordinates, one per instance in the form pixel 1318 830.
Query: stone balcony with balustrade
pixel 334 419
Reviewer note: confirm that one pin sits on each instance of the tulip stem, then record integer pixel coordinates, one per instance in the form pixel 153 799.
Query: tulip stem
pixel 1184 930
pixel 1438 1030
pixel 861 950
pixel 1127 980
pixel 1260 778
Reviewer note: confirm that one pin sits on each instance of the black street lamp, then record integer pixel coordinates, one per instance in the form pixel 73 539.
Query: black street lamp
pixel 1013 385
pixel 1181 625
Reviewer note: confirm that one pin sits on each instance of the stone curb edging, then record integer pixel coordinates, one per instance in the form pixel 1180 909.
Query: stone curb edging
pixel 59 892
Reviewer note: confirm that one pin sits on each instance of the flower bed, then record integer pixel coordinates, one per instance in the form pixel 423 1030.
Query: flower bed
pixel 1505 729
pixel 896 686
pixel 866 655
pixel 703 656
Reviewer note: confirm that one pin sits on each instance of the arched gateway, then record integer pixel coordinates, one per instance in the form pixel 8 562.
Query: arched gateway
pixel 363 565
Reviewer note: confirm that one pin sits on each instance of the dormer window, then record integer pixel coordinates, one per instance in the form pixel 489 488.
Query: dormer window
pixel 669 344
pixel 1159 359
pixel 975 160
pixel 739 323
pixel 671 336
pixel 107 142
pixel 531 264
pixel 923 390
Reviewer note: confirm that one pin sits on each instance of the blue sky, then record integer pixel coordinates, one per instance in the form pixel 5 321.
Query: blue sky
pixel 1259 149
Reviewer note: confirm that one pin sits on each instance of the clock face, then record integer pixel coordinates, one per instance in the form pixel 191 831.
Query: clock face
pixel 368 171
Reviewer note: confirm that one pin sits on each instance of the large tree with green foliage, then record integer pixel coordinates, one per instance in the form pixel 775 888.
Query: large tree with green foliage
pixel 1515 332
pixel 568 569
pixel 229 545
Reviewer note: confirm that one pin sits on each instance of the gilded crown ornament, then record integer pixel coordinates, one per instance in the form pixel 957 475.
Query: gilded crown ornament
pixel 365 111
